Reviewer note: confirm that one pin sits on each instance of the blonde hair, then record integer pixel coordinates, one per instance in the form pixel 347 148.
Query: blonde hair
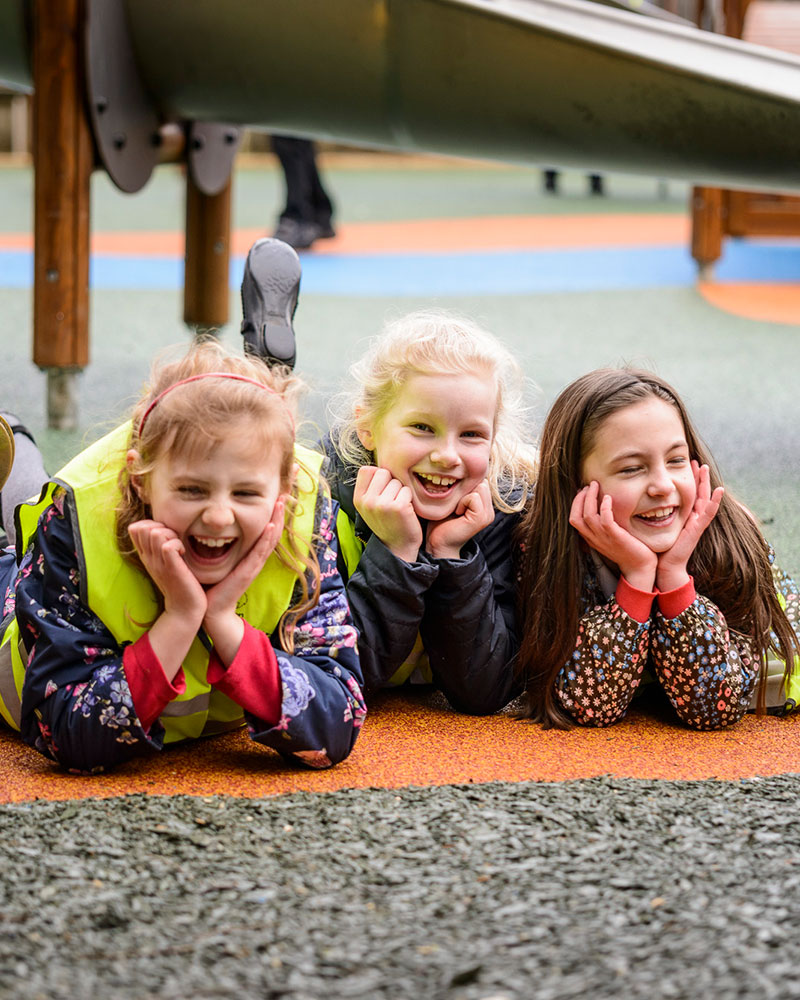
pixel 440 343
pixel 195 417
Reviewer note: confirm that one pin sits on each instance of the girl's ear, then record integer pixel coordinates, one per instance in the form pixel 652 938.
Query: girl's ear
pixel 137 482
pixel 366 437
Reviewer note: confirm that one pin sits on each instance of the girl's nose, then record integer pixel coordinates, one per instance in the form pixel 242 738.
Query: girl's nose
pixel 218 515
pixel 660 481
pixel 445 453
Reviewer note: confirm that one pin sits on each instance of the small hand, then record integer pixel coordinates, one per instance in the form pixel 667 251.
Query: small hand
pixel 672 571
pixel 594 520
pixel 161 552
pixel 386 506
pixel 224 596
pixel 473 513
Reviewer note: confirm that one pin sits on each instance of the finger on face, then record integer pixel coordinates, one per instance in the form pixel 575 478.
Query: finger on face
pixel 591 500
pixel 606 511
pixel 577 508
pixel 364 478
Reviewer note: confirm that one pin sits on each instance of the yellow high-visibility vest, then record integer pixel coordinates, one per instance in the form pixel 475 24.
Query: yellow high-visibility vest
pixel 124 598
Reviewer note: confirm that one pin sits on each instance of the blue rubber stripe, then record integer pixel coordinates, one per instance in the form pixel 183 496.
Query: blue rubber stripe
pixel 472 273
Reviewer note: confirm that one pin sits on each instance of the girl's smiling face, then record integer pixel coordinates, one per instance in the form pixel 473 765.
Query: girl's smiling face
pixel 436 438
pixel 217 502
pixel 641 460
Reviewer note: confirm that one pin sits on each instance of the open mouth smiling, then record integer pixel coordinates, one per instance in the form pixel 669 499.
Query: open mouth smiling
pixel 207 547
pixel 435 485
pixel 661 515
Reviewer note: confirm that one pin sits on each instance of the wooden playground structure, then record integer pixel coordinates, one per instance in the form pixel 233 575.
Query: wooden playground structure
pixel 721 212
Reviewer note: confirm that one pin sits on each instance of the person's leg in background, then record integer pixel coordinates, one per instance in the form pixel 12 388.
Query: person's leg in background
pixel 26 476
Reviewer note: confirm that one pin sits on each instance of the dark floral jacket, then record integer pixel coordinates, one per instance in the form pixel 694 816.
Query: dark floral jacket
pixel 76 703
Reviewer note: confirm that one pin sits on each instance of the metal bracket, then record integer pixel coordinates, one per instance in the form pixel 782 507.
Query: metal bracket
pixel 124 122
pixel 212 147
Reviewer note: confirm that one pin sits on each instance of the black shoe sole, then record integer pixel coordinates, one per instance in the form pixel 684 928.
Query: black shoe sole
pixel 270 287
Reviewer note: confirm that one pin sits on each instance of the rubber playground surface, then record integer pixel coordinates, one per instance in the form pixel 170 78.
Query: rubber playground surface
pixel 570 282
pixel 416 740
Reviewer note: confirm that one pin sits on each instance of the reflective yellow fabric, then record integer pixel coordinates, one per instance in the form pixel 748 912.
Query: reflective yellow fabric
pixel 124 598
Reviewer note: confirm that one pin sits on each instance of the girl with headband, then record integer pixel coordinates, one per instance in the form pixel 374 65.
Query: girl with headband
pixel 178 578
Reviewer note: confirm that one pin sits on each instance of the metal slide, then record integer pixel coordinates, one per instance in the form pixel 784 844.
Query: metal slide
pixel 556 82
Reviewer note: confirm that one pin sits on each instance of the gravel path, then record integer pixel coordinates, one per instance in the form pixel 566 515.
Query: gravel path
pixel 599 888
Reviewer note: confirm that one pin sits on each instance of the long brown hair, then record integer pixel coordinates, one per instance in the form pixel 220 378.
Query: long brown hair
pixel 730 564
pixel 197 417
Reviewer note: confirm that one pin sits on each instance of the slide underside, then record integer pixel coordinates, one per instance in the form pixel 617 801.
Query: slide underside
pixel 555 82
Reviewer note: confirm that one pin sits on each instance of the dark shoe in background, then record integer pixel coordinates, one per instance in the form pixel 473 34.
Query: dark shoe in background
pixel 299 235
pixel 270 287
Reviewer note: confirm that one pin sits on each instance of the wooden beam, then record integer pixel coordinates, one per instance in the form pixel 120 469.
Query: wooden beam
pixel 63 162
pixel 206 295
pixel 708 225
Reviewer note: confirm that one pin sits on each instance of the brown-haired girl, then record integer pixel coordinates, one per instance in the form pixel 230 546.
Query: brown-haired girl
pixel 634 557
pixel 180 579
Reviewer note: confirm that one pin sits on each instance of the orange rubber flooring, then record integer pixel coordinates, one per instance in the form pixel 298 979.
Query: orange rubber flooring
pixel 414 740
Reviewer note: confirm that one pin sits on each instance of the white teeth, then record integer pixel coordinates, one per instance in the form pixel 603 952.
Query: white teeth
pixel 659 512
pixel 213 543
pixel 438 480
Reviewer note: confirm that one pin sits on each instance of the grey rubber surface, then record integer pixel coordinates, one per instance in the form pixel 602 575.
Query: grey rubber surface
pixel 600 888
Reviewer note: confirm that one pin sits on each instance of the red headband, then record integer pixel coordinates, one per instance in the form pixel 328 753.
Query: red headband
pixel 195 378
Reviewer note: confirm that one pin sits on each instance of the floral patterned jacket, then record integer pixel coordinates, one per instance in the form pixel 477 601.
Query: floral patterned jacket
pixel 707 670
pixel 76 702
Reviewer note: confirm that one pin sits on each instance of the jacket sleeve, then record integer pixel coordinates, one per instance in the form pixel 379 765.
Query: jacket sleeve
pixel 469 628
pixel 599 681
pixel 708 670
pixel 322 706
pixel 76 703
pixel 387 597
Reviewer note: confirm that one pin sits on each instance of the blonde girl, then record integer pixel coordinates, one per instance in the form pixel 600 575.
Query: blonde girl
pixel 180 579
pixel 431 465
pixel 636 560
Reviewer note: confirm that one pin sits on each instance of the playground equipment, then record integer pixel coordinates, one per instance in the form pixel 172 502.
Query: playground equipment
pixel 719 212
pixel 561 82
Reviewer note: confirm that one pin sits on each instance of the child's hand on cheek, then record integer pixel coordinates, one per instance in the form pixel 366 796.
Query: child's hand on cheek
pixel 593 519
pixel 161 552
pixel 221 622
pixel 672 572
pixel 386 506
pixel 474 512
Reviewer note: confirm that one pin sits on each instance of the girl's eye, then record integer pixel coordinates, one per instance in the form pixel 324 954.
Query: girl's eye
pixel 247 493
pixel 678 460
pixel 421 427
pixel 190 491
pixel 474 434
pixel 630 470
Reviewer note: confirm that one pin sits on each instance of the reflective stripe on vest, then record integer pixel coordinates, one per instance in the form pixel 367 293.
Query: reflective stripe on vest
pixel 351 547
pixel 124 599
pixel 793 684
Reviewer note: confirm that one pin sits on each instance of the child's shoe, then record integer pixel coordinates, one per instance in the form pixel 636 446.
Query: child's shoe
pixel 270 288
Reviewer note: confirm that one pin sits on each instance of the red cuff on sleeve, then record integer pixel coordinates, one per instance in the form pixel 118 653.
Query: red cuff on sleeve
pixel 253 680
pixel 636 603
pixel 672 603
pixel 151 692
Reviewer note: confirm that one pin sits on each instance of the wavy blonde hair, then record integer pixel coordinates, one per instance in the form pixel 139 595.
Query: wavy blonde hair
pixel 195 418
pixel 440 343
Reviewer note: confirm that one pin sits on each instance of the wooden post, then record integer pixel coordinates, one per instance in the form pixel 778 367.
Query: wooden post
pixel 208 238
pixel 708 225
pixel 63 161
